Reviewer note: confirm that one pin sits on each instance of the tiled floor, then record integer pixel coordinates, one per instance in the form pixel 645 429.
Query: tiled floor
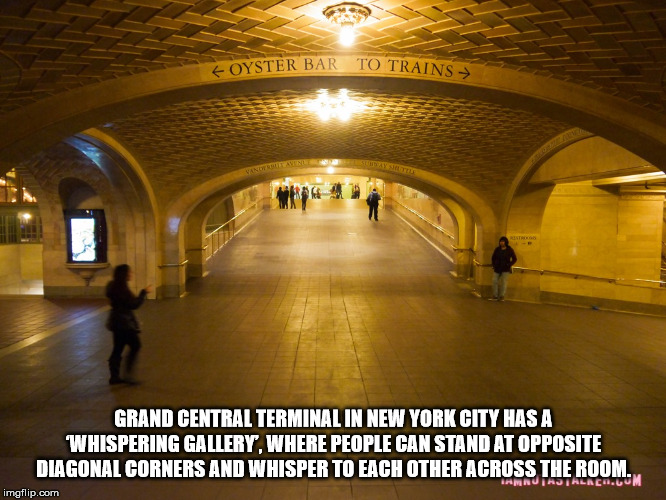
pixel 27 318
pixel 328 309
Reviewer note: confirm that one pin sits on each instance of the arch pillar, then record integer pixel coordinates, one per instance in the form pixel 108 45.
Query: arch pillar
pixel 136 210
pixel 523 230
pixel 465 243
pixel 172 269
pixel 523 212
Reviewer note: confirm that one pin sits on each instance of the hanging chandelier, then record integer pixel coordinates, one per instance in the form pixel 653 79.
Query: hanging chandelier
pixel 347 15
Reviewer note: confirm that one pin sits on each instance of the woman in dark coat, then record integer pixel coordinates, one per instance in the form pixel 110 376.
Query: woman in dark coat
pixel 122 322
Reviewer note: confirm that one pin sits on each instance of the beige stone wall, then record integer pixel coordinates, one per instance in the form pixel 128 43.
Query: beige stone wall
pixel 20 262
pixel 246 200
pixel 592 232
pixel 10 269
pixel 32 267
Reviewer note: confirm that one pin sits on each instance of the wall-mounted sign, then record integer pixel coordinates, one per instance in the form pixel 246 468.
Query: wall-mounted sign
pixel 523 241
pixel 362 65
pixel 365 164
pixel 86 236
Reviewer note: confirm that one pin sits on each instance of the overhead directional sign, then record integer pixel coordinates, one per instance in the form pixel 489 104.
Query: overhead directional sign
pixel 359 65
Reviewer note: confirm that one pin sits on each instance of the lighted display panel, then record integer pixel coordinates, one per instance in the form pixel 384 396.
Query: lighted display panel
pixel 86 236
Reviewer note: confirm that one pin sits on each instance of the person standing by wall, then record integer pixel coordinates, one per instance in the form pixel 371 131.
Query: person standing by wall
pixel 503 260
pixel 123 323
pixel 373 203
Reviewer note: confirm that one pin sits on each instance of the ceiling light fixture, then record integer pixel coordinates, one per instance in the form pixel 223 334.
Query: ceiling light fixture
pixel 341 107
pixel 347 15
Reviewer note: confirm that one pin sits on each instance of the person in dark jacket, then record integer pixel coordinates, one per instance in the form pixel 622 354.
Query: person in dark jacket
pixel 285 197
pixel 123 323
pixel 278 195
pixel 503 260
pixel 373 202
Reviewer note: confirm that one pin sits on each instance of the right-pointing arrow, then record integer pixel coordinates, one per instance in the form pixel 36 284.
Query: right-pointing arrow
pixel 466 73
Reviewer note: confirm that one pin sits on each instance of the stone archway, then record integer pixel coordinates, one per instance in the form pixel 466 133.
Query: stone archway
pixel 204 196
pixel 112 181
pixel 577 231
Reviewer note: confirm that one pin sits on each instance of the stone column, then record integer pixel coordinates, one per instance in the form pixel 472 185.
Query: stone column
pixel 173 265
pixel 524 234
pixel 465 254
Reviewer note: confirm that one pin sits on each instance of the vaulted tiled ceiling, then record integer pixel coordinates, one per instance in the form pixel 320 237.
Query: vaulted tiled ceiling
pixel 62 44
pixel 48 47
pixel 477 144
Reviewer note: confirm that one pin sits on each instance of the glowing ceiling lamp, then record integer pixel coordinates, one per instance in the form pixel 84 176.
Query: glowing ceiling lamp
pixel 347 15
pixel 340 107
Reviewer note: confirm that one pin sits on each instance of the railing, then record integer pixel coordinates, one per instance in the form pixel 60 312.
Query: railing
pixel 616 281
pixel 468 273
pixel 220 236
pixel 179 264
pixel 439 228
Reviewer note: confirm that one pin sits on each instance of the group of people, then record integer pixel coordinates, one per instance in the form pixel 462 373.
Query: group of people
pixel 286 197
pixel 287 194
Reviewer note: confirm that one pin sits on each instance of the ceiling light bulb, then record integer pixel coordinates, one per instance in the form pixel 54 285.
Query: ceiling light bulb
pixel 347 35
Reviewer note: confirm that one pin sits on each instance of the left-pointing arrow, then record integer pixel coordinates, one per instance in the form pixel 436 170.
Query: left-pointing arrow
pixel 216 71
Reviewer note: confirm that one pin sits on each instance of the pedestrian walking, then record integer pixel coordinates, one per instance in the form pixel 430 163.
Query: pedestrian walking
pixel 373 203
pixel 123 323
